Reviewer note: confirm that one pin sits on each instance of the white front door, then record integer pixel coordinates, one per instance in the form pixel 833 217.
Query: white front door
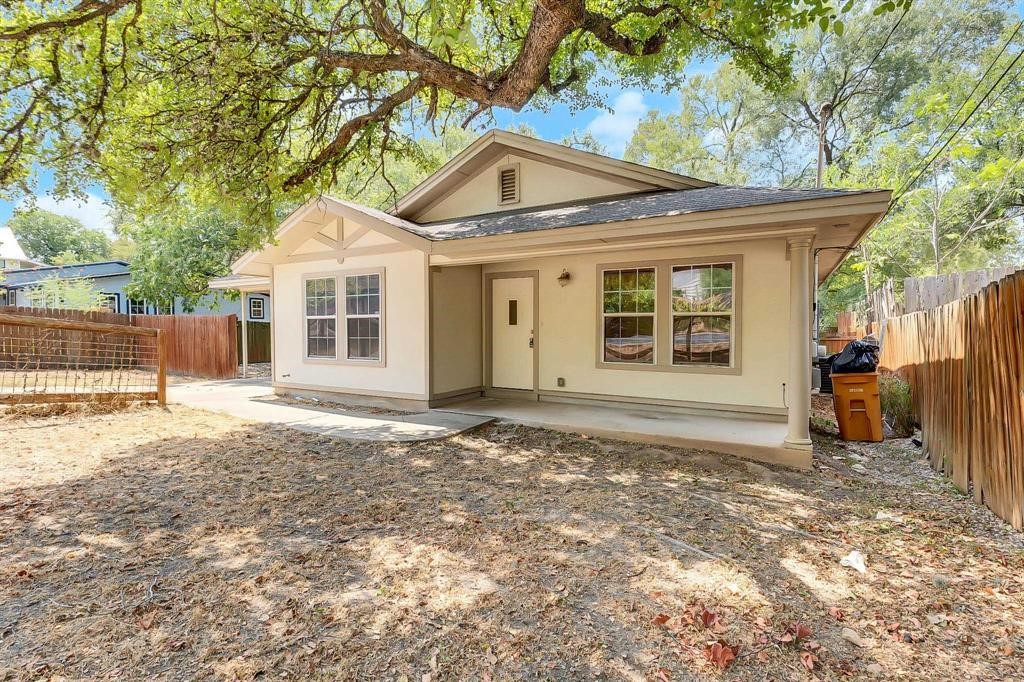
pixel 512 333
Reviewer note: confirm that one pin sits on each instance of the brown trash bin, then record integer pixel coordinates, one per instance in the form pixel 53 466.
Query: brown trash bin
pixel 858 408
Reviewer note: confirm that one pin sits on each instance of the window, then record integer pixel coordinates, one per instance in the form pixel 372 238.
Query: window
pixel 136 307
pixel 362 316
pixel 628 305
pixel 255 308
pixel 111 302
pixel 508 184
pixel 321 318
pixel 702 305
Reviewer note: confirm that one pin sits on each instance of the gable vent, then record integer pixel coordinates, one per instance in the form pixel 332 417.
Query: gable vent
pixel 508 184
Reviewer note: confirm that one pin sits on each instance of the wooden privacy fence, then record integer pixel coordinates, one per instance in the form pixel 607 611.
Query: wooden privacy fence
pixel 259 341
pixel 964 362
pixel 925 293
pixel 48 360
pixel 198 345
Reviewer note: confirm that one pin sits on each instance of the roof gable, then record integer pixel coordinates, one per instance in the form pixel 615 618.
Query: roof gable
pixel 610 176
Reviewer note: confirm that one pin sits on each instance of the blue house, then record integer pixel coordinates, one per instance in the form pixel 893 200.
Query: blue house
pixel 111 279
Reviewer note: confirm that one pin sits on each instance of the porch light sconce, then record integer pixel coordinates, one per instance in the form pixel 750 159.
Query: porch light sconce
pixel 564 278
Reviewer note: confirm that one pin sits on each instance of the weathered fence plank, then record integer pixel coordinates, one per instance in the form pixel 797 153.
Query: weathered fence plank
pixel 964 361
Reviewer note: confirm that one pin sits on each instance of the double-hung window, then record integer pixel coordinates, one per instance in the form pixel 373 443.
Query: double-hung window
pixel 628 305
pixel 362 316
pixel 321 318
pixel 351 324
pixel 702 307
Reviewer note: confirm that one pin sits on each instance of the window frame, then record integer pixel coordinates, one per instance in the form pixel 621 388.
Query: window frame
pixel 730 314
pixel 263 308
pixel 341 318
pixel 663 315
pixel 653 315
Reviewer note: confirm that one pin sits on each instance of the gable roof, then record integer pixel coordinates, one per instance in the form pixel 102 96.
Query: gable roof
pixel 622 208
pixel 496 143
pixel 14 279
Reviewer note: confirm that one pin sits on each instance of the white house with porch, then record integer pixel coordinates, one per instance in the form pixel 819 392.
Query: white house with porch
pixel 563 288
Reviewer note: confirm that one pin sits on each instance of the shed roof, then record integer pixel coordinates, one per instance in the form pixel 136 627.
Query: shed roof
pixel 14 279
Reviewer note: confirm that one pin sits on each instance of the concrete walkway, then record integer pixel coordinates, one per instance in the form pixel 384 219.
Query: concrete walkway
pixel 253 399
pixel 750 437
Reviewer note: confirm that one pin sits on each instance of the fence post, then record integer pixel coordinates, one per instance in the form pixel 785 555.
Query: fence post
pixel 161 369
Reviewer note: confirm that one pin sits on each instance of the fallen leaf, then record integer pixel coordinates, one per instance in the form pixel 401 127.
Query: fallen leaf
pixel 721 654
pixel 837 613
pixel 808 659
pixel 660 619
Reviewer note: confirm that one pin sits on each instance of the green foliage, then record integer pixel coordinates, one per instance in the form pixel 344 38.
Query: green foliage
pixel 177 252
pixel 893 84
pixel 66 294
pixel 897 408
pixel 57 239
pixel 265 103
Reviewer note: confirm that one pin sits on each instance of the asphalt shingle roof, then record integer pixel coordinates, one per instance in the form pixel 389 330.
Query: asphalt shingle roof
pixel 615 209
pixel 18 278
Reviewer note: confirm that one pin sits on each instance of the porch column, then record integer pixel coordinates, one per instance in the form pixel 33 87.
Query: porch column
pixel 798 388
pixel 245 334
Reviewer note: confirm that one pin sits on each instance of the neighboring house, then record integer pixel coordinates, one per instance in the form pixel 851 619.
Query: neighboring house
pixel 525 269
pixel 111 278
pixel 12 256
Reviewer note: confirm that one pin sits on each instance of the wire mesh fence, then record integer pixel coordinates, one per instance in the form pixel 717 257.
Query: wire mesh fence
pixel 47 360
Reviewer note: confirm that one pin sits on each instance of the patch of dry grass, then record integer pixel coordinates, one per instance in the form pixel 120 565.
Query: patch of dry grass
pixel 184 544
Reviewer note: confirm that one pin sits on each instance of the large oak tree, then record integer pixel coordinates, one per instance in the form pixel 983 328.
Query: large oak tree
pixel 256 101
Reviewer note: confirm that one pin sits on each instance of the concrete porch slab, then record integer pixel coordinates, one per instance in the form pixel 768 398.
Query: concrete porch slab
pixel 254 400
pixel 751 438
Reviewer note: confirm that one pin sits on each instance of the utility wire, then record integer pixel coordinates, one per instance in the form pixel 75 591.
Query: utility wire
pixel 917 176
pixel 971 94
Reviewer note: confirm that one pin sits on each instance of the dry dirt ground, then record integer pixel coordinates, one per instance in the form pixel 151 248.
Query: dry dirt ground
pixel 180 544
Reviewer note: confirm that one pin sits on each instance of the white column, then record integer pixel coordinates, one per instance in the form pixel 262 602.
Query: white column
pixel 245 334
pixel 798 388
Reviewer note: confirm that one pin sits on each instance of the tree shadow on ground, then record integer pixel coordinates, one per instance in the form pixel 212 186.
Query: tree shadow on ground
pixel 509 553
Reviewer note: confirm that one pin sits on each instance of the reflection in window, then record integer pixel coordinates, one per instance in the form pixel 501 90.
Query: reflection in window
pixel 702 308
pixel 628 303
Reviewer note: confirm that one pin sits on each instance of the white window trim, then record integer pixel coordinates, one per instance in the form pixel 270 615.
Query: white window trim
pixel 306 317
pixel 653 315
pixel 340 324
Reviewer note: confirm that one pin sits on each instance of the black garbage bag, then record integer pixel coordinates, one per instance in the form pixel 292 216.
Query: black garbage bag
pixel 858 357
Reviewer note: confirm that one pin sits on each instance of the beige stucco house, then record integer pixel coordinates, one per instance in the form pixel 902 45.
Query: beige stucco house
pixel 529 271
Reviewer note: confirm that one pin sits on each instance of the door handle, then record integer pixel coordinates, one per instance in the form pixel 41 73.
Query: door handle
pixel 531 342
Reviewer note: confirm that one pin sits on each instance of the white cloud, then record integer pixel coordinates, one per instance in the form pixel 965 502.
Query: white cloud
pixel 93 212
pixel 615 128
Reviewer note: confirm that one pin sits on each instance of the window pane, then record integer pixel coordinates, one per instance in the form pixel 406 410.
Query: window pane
pixel 374 286
pixel 320 335
pixel 702 288
pixel 375 304
pixel 611 303
pixel 629 339
pixel 611 280
pixel 701 339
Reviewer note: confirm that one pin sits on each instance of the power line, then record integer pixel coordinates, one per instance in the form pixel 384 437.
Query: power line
pixel 906 187
pixel 967 100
